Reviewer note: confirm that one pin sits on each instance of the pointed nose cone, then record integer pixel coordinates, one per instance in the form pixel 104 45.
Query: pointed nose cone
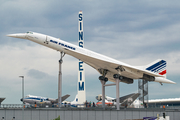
pixel 19 35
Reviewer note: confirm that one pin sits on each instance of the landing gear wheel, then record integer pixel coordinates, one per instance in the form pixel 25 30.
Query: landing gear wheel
pixel 101 77
pixel 120 77
pixel 105 79
pixel 116 76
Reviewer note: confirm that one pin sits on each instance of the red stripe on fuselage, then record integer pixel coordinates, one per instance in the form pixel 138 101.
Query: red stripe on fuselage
pixel 163 72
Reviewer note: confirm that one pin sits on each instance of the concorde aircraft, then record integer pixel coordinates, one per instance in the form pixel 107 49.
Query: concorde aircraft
pixel 109 68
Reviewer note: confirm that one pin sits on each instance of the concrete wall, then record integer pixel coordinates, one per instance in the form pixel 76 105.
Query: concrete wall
pixel 78 114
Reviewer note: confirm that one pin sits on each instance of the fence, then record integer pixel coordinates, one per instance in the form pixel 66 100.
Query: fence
pixel 84 113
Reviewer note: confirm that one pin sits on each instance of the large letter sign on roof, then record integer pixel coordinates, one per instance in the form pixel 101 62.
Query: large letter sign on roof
pixel 81 73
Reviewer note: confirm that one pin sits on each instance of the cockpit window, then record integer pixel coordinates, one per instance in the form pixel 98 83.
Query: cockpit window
pixel 29 32
pixel 26 96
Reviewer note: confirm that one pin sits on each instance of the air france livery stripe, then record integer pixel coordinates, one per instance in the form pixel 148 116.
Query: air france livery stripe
pixel 159 67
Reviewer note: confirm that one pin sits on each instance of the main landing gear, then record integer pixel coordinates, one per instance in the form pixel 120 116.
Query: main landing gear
pixel 103 80
pixel 117 78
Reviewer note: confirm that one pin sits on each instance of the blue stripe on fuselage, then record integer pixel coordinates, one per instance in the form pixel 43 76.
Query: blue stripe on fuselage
pixel 45 99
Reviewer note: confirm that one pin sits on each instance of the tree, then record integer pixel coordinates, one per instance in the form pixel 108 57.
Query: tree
pixel 58 118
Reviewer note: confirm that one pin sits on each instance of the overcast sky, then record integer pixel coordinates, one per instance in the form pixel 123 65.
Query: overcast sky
pixel 136 32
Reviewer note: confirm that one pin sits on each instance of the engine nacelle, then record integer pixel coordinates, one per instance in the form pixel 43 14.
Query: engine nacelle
pixel 126 80
pixel 123 79
pixel 148 77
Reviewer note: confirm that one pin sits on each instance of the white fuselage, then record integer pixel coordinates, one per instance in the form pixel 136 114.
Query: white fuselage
pixel 31 99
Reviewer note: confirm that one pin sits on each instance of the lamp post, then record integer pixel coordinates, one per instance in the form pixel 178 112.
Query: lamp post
pixel 22 96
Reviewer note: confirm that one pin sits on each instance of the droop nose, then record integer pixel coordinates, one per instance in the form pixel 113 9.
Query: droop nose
pixel 19 35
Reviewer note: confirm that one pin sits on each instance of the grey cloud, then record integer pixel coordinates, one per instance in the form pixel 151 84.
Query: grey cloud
pixel 37 74
pixel 177 61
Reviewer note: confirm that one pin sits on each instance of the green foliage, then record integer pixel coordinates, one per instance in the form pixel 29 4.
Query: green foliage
pixel 58 118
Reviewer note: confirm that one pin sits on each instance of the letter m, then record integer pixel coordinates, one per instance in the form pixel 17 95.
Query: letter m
pixel 81 86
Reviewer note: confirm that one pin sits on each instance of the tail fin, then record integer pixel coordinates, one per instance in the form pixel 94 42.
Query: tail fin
pixel 64 97
pixel 158 66
pixel 75 101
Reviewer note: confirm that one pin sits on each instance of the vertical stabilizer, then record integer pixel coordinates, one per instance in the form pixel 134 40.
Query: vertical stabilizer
pixel 75 102
pixel 158 66
pixel 81 74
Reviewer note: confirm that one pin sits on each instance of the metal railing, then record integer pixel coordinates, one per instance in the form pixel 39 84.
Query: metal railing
pixel 27 106
pixel 11 106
